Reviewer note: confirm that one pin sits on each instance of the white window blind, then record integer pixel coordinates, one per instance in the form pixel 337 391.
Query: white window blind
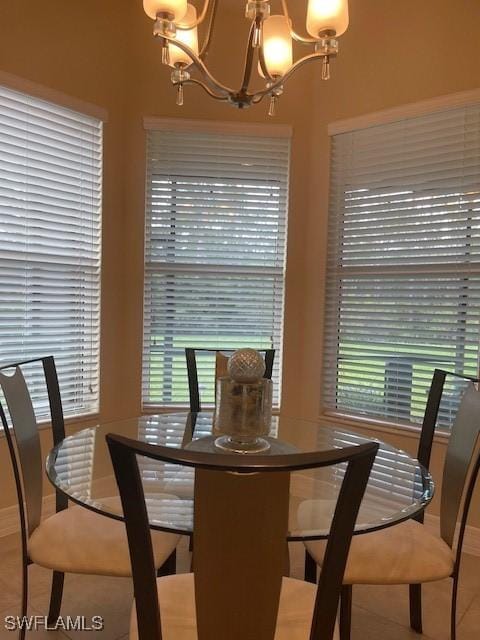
pixel 403 290
pixel 50 207
pixel 216 214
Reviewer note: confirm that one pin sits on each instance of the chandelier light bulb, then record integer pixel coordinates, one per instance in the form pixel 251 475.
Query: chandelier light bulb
pixel 327 16
pixel 269 42
pixel 174 9
pixel 277 45
pixel 187 36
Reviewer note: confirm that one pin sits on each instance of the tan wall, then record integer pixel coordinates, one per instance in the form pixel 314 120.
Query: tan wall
pixel 103 52
pixel 394 53
pixel 154 96
pixel 77 48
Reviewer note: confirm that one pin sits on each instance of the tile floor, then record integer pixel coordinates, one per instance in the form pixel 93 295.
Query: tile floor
pixel 379 613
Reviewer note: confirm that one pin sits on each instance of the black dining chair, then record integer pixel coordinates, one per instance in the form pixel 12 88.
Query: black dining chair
pixel 74 539
pixel 407 553
pixel 218 360
pixel 238 589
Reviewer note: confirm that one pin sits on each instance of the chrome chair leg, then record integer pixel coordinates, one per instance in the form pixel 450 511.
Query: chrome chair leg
pixel 56 597
pixel 346 612
pixel 415 593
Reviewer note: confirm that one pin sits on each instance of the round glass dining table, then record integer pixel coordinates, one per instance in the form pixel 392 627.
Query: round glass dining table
pixel 80 467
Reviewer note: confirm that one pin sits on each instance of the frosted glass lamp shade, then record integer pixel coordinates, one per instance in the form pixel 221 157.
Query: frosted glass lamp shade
pixel 327 15
pixel 187 36
pixel 277 45
pixel 175 8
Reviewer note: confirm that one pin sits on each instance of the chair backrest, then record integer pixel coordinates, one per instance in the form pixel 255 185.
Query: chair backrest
pixel 431 412
pixel 430 417
pixel 220 356
pixel 238 574
pixel 459 477
pixel 27 460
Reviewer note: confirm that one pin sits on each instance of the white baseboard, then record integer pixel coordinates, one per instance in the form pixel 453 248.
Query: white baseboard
pixel 302 486
pixel 471 542
pixel 10 523
pixel 9 518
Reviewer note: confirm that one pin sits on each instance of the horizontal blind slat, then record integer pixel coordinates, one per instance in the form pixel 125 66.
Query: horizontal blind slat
pixel 50 217
pixel 404 214
pixel 216 220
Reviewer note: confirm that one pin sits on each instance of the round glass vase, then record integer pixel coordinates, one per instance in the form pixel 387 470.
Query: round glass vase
pixel 243 413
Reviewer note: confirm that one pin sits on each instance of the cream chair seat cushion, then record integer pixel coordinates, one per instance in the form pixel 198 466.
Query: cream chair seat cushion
pixel 176 595
pixel 402 554
pixel 78 540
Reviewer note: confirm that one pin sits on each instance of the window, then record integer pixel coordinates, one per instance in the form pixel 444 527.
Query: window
pixel 404 264
pixel 216 210
pixel 50 204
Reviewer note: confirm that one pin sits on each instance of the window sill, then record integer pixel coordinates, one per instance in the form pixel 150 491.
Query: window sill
pixel 149 411
pixel 335 419
pixel 70 421
pixel 379 426
pixel 81 418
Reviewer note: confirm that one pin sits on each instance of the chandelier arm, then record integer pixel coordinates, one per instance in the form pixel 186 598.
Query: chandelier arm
pixel 206 43
pixel 199 20
pixel 207 89
pixel 296 36
pixel 256 100
pixel 203 15
pixel 248 67
pixel 199 65
pixel 281 81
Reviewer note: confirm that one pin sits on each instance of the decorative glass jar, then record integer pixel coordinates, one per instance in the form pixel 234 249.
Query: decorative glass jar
pixel 243 413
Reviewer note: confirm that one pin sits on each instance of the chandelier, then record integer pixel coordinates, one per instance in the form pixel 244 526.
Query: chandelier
pixel 269 48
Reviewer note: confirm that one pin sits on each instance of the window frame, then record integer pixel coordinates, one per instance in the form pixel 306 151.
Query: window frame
pixel 205 127
pixel 84 108
pixel 342 417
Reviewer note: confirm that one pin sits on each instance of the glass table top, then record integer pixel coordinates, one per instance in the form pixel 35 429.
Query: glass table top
pixel 80 467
